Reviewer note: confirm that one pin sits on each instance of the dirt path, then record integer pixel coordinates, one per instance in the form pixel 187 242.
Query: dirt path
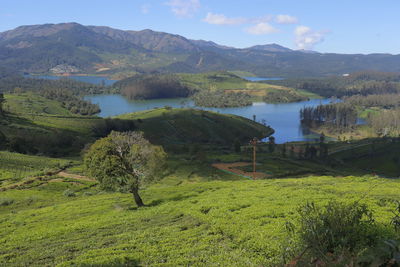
pixel 74 176
pixel 233 168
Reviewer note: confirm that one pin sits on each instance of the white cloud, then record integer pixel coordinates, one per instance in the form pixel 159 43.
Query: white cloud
pixel 286 19
pixel 261 28
pixel 220 19
pixel 184 8
pixel 145 9
pixel 306 38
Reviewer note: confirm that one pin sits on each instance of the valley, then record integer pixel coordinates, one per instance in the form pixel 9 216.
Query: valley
pixel 146 148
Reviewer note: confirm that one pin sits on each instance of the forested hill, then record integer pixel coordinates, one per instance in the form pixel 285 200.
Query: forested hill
pixel 71 47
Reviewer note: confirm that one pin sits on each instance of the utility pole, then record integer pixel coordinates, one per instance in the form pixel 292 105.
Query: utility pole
pixel 254 142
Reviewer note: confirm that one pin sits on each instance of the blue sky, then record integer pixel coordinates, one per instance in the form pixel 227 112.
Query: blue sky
pixel 351 26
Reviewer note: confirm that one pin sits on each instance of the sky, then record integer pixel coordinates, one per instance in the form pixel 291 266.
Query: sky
pixel 334 26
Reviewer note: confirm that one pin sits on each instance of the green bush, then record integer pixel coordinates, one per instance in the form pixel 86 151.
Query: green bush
pixel 335 231
pixel 69 193
pixel 6 201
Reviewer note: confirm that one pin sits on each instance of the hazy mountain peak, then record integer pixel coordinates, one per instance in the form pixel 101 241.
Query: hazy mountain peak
pixel 271 48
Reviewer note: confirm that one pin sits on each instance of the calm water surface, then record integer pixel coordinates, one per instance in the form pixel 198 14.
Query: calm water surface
pixel 283 118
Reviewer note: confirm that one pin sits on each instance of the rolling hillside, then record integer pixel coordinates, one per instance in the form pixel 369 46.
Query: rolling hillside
pixel 190 126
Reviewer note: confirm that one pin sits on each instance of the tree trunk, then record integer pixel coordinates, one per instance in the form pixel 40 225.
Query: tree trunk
pixel 137 198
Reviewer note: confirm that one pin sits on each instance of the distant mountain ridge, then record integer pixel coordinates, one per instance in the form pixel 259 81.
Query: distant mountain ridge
pixel 104 50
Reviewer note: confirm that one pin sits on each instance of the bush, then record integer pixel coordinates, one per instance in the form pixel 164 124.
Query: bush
pixel 6 201
pixel 335 231
pixel 69 193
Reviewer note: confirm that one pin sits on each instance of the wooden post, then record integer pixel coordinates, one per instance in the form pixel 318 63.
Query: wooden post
pixel 254 142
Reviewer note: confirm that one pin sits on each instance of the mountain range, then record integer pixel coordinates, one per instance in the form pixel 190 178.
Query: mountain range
pixel 72 47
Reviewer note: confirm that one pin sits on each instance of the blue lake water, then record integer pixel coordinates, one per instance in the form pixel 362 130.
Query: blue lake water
pixel 283 118
pixel 98 80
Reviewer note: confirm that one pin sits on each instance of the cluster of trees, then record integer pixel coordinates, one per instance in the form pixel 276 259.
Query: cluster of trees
pixel 361 83
pixel 340 115
pixel 221 99
pixel 70 101
pixel 9 82
pixel 385 101
pixel 386 122
pixel 67 91
pixel 153 87
pixel 283 96
pixel 2 100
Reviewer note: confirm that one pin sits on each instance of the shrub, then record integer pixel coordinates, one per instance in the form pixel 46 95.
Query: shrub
pixel 335 231
pixel 6 201
pixel 69 193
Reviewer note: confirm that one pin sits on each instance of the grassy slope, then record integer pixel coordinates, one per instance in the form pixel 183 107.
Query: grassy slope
pixel 15 166
pixel 32 111
pixel 177 126
pixel 231 82
pixel 231 223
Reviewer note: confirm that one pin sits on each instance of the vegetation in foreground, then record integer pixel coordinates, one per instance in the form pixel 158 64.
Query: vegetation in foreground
pixel 235 223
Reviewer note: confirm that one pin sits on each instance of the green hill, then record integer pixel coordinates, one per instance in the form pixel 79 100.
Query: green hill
pixel 184 84
pixel 188 126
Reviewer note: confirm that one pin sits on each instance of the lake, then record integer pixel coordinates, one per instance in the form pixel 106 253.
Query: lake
pixel 98 80
pixel 283 118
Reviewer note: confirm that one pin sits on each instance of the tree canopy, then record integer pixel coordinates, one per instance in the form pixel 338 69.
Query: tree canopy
pixel 124 161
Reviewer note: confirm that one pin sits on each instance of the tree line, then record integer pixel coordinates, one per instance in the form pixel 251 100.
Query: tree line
pixel 360 83
pixel 70 101
pixel 153 87
pixel 66 91
pixel 340 115
pixel 220 99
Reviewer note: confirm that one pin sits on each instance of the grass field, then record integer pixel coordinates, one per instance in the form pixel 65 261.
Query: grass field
pixel 231 83
pixel 226 223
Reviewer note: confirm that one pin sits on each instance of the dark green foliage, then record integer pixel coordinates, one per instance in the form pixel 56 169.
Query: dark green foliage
pixel 361 83
pixel 221 99
pixel 283 96
pixel 106 126
pixel 2 100
pixel 271 144
pixel 152 87
pixel 237 145
pixel 340 115
pixel 71 102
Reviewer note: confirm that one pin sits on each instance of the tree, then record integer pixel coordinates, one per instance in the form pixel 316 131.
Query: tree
pixel 2 100
pixel 237 145
pixel 124 161
pixel 271 144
